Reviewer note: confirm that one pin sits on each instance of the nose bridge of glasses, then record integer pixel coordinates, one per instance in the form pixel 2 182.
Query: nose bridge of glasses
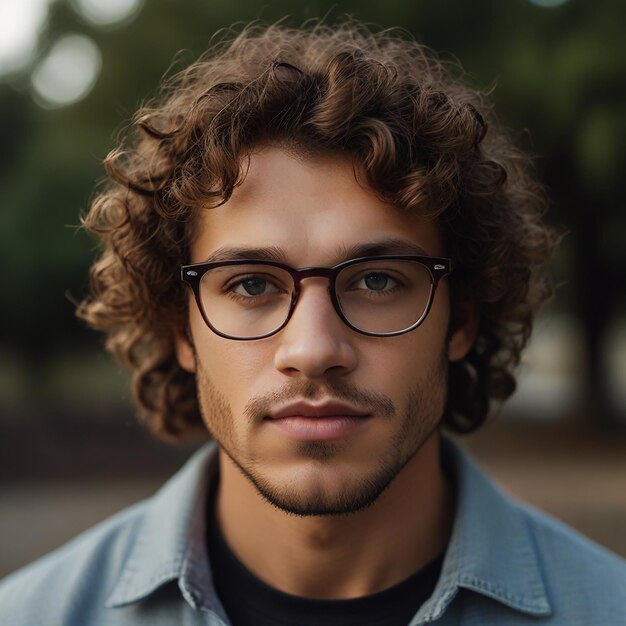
pixel 315 273
pixel 312 272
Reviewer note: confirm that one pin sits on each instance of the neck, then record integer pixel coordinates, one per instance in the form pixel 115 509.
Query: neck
pixel 340 556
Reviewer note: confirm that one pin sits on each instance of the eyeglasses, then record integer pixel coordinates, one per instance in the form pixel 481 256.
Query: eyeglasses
pixel 380 296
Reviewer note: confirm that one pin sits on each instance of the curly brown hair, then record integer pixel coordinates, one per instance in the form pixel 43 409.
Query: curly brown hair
pixel 421 138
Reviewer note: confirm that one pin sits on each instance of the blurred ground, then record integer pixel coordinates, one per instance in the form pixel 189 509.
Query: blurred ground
pixel 574 475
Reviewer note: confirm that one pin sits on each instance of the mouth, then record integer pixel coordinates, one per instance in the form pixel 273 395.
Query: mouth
pixel 327 421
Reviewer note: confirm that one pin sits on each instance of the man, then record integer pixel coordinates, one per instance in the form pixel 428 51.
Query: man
pixel 360 251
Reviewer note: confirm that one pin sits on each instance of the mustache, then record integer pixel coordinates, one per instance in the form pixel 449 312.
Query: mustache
pixel 374 402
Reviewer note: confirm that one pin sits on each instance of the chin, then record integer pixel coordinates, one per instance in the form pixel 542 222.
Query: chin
pixel 313 488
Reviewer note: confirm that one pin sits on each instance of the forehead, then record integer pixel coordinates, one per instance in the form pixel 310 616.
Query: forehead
pixel 311 209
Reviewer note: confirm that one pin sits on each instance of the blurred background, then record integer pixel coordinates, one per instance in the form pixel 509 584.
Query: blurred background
pixel 72 72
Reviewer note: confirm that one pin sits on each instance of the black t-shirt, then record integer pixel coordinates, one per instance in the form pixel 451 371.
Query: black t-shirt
pixel 249 601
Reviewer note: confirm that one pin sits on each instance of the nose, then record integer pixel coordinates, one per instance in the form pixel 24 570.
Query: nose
pixel 315 342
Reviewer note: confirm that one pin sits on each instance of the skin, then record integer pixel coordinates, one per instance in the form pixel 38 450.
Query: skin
pixel 325 519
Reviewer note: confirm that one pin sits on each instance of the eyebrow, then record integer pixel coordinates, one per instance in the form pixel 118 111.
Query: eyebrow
pixel 272 253
pixel 275 253
pixel 379 248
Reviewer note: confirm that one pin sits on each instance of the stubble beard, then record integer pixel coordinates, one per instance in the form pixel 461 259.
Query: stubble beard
pixel 422 416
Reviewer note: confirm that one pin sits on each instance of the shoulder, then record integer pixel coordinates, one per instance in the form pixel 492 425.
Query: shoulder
pixel 581 577
pixel 525 558
pixel 563 547
pixel 118 562
pixel 72 579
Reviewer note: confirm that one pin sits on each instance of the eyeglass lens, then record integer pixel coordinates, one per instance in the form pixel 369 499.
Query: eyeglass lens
pixel 376 296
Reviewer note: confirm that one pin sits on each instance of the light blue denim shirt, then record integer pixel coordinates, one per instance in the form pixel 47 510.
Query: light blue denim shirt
pixel 505 564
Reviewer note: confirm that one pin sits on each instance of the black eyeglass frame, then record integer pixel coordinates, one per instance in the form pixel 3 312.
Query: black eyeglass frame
pixel 437 267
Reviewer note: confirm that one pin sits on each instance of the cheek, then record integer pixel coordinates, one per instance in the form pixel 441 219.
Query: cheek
pixel 234 367
pixel 414 350
pixel 390 369
pixel 409 360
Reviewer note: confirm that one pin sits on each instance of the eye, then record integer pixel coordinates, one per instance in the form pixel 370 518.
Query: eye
pixel 253 286
pixel 376 281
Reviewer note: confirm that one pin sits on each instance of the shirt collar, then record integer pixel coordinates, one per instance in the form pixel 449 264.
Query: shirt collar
pixel 170 543
pixel 491 549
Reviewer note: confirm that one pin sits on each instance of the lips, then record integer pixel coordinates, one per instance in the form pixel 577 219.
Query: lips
pixel 327 421
pixel 326 409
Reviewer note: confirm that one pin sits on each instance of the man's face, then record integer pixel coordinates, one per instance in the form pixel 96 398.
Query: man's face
pixel 312 210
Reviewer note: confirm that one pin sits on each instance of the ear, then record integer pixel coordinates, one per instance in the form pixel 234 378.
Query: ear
pixel 465 329
pixel 185 353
